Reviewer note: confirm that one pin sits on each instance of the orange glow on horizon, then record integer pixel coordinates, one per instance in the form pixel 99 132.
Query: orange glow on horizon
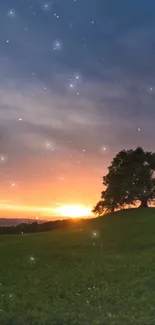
pixel 74 211
pixel 45 196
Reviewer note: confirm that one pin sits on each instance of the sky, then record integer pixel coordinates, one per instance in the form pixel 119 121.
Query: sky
pixel 77 85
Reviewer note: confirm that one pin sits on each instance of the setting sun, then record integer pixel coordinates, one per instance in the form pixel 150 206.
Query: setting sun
pixel 74 211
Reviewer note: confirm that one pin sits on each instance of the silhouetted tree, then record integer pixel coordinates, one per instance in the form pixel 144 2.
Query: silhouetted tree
pixel 130 179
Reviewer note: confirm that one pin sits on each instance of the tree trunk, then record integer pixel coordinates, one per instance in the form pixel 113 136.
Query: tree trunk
pixel 112 208
pixel 144 203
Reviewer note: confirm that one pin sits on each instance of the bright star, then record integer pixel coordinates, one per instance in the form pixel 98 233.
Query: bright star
pixel 11 13
pixel 57 45
pixel 3 158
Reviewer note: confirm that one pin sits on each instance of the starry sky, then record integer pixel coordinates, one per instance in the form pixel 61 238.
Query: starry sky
pixel 77 84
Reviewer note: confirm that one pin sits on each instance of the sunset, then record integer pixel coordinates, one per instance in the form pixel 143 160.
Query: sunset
pixel 65 115
pixel 47 212
pixel 74 211
pixel 77 162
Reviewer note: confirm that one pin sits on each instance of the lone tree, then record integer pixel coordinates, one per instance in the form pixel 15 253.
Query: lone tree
pixel 130 180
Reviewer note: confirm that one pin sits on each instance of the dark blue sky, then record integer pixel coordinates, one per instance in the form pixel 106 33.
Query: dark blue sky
pixel 77 84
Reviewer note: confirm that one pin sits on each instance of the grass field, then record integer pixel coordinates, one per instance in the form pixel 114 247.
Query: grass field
pixel 72 277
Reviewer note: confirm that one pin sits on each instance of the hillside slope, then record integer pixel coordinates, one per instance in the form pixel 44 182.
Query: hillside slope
pixel 99 272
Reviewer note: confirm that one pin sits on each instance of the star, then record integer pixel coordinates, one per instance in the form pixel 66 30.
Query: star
pixel 46 6
pixel 57 45
pixel 3 159
pixel 49 145
pixel 11 13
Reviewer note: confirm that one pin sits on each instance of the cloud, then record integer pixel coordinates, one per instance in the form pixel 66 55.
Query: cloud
pixel 94 118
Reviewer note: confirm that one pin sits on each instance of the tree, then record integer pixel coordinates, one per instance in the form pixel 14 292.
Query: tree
pixel 130 179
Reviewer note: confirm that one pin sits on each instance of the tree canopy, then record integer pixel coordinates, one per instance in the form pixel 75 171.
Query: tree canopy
pixel 130 179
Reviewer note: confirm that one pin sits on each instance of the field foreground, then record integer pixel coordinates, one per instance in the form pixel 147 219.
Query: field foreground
pixel 101 272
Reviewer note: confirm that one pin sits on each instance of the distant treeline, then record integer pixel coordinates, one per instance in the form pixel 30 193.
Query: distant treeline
pixel 35 227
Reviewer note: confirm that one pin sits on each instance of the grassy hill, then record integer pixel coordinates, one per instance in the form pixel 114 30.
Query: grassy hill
pixel 100 272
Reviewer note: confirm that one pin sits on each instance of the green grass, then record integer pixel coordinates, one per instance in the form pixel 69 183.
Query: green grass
pixel 76 279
